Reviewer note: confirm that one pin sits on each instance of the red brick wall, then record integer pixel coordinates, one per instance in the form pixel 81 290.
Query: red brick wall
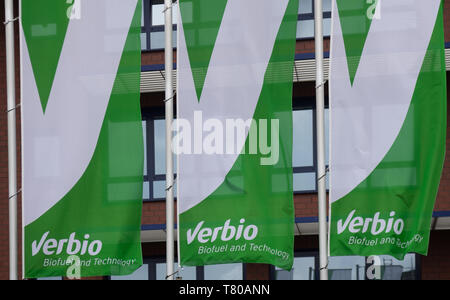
pixel 436 266
pixel 447 20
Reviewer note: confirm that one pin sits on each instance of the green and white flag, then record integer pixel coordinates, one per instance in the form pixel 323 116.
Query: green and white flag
pixel 234 131
pixel 82 145
pixel 388 125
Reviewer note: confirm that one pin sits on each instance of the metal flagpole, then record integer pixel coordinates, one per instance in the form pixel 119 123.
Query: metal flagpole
pixel 320 110
pixel 169 158
pixel 11 111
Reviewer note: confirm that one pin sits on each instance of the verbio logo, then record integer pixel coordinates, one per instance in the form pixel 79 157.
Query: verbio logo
pixel 376 225
pixel 71 245
pixel 226 232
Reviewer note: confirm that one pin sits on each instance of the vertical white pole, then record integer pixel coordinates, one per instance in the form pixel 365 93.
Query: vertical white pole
pixel 320 122
pixel 12 155
pixel 169 157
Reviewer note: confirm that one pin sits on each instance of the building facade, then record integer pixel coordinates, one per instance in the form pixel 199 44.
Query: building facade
pixel 434 266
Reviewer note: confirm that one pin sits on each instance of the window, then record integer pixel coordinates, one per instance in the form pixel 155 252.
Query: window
pixel 146 183
pixel 152 35
pixel 152 32
pixel 50 278
pixel 305 24
pixel 155 269
pixel 143 28
pixel 346 268
pixel 155 157
pixel 304 157
pixel 185 273
pixel 304 268
pixel 393 269
pixel 140 274
pixel 304 151
pixel 382 267
pixel 224 272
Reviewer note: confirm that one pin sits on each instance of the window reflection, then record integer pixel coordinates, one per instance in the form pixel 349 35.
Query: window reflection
pixel 346 267
pixel 305 24
pixel 50 278
pixel 139 274
pixel 144 132
pixel 153 21
pixel 302 269
pixel 223 272
pixel 303 153
pixel 305 29
pixel 382 267
pixel 302 123
pixel 305 7
pixel 326 5
pixel 304 181
pixel 158 39
pixel 160 148
pixel 185 273
pixel 393 269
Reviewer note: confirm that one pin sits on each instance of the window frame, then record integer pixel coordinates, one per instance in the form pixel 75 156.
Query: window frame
pixel 306 103
pixel 149 116
pixel 315 254
pixel 199 274
pixel 148 28
pixel 157 113
pixel 144 27
pixel 310 16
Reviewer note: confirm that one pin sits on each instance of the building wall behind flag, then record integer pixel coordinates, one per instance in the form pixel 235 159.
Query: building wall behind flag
pixel 434 266
pixel 4 215
pixel 443 196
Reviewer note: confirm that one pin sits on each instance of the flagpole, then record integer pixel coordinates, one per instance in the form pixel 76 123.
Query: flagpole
pixel 169 158
pixel 12 154
pixel 320 111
